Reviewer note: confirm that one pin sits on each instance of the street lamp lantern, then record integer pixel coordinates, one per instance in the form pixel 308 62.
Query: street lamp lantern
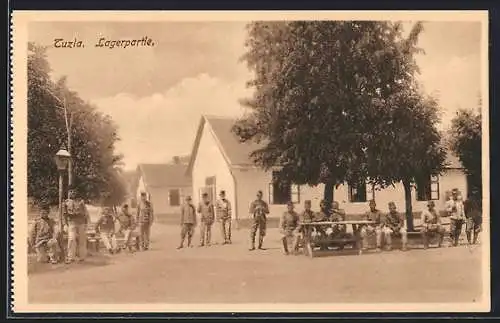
pixel 62 159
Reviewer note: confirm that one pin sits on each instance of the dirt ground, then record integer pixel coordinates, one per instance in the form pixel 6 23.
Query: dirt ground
pixel 232 274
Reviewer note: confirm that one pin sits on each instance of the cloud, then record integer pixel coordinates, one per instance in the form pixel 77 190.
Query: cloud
pixel 156 127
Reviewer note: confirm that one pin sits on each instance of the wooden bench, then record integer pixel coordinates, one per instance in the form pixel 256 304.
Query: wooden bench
pixel 313 242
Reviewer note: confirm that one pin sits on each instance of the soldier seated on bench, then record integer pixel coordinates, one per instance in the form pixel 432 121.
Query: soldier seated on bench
pixel 394 225
pixel 337 230
pixel 369 229
pixel 288 225
pixel 43 236
pixel 127 226
pixel 307 216
pixel 321 216
pixel 431 224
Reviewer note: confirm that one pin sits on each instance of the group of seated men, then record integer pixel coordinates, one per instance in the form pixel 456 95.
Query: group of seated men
pixel 44 234
pixel 384 227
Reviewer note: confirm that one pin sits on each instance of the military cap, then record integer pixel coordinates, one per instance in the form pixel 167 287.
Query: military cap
pixel 222 192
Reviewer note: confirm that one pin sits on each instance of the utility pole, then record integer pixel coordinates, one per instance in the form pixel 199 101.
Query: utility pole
pixel 68 119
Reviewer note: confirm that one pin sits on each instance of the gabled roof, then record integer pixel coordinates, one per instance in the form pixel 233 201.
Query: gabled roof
pixel 164 175
pixel 452 161
pixel 236 153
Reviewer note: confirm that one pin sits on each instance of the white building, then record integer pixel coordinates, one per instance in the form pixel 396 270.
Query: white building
pixel 166 185
pixel 220 162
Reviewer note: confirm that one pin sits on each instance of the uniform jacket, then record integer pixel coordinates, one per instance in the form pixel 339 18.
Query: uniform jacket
pixel 145 212
pixel 319 217
pixel 126 221
pixel 455 209
pixel 42 231
pixel 206 211
pixel 106 223
pixel 188 214
pixel 289 221
pixel 375 215
pixel 337 215
pixel 394 221
pixel 223 209
pixel 430 217
pixel 75 212
pixel 259 208
pixel 307 216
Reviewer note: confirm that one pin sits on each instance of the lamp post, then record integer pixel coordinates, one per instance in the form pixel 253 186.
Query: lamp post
pixel 68 119
pixel 62 159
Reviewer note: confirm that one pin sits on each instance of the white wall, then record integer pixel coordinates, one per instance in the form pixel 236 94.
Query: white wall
pixel 141 187
pixel 249 181
pixel 209 161
pixel 450 179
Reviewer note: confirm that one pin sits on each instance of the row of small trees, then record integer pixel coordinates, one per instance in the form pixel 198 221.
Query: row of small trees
pixel 338 101
pixel 96 167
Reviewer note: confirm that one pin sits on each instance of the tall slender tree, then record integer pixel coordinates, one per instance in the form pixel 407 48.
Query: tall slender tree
pixel 96 164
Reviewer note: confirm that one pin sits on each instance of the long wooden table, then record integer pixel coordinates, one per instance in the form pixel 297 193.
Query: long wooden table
pixel 353 239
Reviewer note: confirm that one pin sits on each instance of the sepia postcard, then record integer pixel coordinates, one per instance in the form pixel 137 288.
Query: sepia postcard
pixel 250 161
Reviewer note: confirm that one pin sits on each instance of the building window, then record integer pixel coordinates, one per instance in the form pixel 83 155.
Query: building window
pixel 359 192
pixel 428 188
pixel 282 192
pixel 174 197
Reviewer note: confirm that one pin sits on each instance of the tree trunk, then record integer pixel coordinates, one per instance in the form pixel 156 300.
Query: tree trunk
pixel 409 211
pixel 328 194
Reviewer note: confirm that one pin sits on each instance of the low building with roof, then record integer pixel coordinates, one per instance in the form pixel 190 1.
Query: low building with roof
pixel 219 161
pixel 166 185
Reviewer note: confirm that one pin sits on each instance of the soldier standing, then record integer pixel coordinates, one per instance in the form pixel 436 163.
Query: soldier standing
pixel 431 223
pixel 207 216
pixel 76 218
pixel 223 209
pixel 258 212
pixel 455 209
pixel 43 237
pixel 288 224
pixel 394 223
pixel 145 218
pixel 127 225
pixel 188 222
pixel 369 229
pixel 473 219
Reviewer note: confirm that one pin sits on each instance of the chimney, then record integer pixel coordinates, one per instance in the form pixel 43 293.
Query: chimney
pixel 177 160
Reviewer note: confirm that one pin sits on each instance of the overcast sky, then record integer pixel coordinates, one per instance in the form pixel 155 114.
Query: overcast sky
pixel 157 94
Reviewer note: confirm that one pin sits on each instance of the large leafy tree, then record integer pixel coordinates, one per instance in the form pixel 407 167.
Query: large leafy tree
pixel 321 90
pixel 406 146
pixel 96 166
pixel 465 141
